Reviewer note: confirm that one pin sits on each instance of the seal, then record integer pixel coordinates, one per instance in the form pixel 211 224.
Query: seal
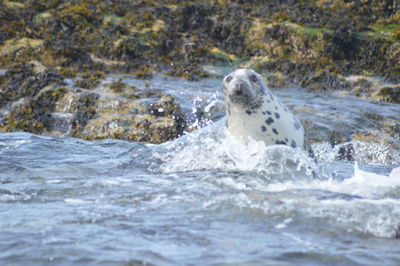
pixel 253 111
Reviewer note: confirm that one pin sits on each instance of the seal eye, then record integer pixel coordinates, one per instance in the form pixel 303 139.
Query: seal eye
pixel 228 79
pixel 253 78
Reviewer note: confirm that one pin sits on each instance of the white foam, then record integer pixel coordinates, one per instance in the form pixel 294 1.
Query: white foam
pixel 217 149
pixel 366 152
pixel 74 201
pixel 362 183
pixel 284 224
pixel 15 197
pixel 395 173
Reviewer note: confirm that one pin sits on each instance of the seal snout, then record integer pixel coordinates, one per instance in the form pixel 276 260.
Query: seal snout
pixel 240 92
pixel 239 88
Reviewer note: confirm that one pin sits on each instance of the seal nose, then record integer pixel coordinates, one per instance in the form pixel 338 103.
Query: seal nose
pixel 239 87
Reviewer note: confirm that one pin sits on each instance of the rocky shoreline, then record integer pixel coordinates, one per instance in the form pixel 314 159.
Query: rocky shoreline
pixel 321 46
pixel 35 99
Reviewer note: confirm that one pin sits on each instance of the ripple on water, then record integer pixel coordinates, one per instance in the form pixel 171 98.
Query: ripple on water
pixel 206 198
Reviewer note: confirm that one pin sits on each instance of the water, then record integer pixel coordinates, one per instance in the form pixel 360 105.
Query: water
pixel 206 198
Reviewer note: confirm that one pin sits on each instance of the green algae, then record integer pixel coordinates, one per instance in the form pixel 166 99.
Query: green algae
pixel 389 31
pixel 119 37
pixel 313 32
pixel 113 19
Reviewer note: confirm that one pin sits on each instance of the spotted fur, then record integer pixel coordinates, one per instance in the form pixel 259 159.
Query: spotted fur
pixel 250 102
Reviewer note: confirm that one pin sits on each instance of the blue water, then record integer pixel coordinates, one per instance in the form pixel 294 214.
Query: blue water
pixel 204 199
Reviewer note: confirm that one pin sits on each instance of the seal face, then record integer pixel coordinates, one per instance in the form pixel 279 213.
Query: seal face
pixel 253 111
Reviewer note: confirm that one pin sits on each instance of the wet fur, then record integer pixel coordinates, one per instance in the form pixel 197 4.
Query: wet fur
pixel 253 111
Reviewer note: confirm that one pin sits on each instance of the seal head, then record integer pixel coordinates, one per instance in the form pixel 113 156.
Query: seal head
pixel 244 88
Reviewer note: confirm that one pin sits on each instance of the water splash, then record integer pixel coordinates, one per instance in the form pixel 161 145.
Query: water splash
pixel 366 203
pixel 365 152
pixel 214 148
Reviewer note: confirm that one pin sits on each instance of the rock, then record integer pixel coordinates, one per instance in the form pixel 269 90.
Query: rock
pixel 14 45
pixel 115 37
pixel 285 38
pixel 34 100
pixel 147 117
pixel 373 88
pixel 20 50
pixel 62 123
pixel 344 43
pixel 390 93
pixel 143 128
pixel 33 114
pixel 346 152
pixel 89 80
pixel 38 67
pixel 26 81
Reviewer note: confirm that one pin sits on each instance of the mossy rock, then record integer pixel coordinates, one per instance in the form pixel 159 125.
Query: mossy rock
pixel 192 72
pixel 130 48
pixel 143 128
pixel 387 94
pixel 118 86
pixel 113 19
pixel 13 45
pixel 20 50
pixel 26 81
pixel 221 56
pixel 89 80
pixel 34 114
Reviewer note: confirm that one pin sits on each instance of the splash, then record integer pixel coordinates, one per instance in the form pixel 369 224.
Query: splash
pixel 214 148
pixel 361 184
pixel 365 152
pixel 366 203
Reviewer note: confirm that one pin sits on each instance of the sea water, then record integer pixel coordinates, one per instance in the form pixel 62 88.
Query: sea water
pixel 207 198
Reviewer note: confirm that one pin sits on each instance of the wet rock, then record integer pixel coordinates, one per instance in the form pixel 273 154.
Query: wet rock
pixel 26 81
pixel 68 51
pixel 314 45
pixel 153 117
pixel 192 72
pixel 360 86
pixel 193 17
pixel 346 152
pixel 20 50
pixel 118 36
pixel 33 100
pixel 344 43
pixel 84 109
pixel 228 29
pixel 139 128
pixel 33 114
pixel 118 86
pixel 89 80
pixel 62 123
pixel 373 88
pixel 129 48
pixel 324 81
pixel 390 93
